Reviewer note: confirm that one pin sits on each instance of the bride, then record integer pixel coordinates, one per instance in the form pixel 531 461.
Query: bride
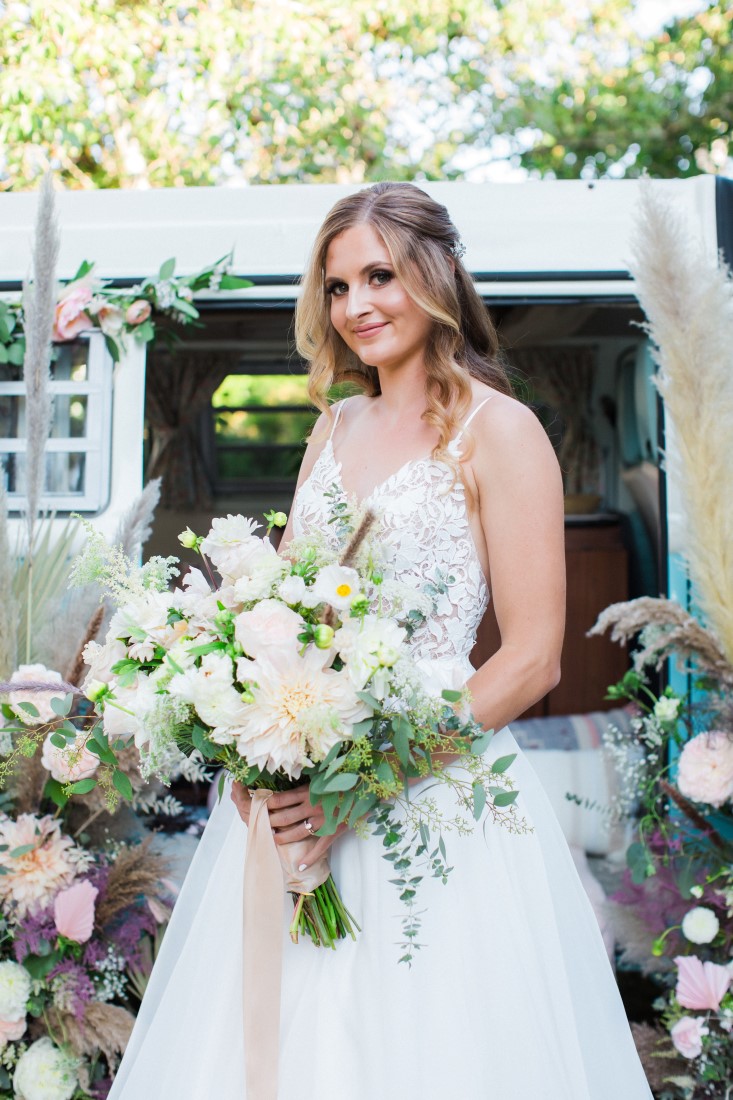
pixel 511 994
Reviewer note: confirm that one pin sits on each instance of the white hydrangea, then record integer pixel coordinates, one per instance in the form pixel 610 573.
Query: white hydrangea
pixel 15 989
pixel 700 925
pixel 45 1073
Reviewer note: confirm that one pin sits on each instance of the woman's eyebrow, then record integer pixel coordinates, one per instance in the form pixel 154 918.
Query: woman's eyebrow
pixel 371 266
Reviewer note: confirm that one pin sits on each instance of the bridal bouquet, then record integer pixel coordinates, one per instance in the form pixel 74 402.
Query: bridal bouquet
pixel 291 668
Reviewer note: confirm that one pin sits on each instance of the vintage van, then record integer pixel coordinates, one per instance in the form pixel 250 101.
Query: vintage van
pixel 222 416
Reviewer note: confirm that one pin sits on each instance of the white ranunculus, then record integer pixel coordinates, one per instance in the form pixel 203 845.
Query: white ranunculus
pixel 145 618
pixel 666 709
pixel 125 714
pixel 15 989
pixel 71 763
pixel 293 590
pixel 337 585
pixel 288 691
pixel 268 624
pixel 264 574
pixel 45 1073
pixel 41 700
pixel 700 925
pixel 369 645
pixel 231 543
pixel 210 690
pixel 101 659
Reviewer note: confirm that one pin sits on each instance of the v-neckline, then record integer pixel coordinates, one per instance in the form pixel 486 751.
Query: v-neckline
pixel 361 502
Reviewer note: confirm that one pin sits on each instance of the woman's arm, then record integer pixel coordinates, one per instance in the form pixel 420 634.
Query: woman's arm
pixel 520 497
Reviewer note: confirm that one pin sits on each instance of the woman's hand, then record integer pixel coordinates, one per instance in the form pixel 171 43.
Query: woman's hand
pixel 289 811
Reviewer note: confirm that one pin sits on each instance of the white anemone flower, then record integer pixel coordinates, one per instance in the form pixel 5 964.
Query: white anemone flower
pixel 337 585
pixel 288 690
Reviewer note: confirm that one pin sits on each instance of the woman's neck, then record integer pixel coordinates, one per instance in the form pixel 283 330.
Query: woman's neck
pixel 403 389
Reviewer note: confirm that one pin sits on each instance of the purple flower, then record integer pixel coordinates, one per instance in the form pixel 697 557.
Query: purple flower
pixel 36 930
pixel 73 989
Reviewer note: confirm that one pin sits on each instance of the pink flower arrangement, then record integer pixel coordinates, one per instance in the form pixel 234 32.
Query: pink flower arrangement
pixel 701 985
pixel 687 1035
pixel 138 312
pixel 706 768
pixel 73 911
pixel 70 318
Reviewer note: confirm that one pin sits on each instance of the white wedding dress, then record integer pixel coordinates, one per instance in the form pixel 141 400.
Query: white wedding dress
pixel 510 998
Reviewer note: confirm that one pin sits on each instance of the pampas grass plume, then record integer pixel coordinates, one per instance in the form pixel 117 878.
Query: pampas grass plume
pixel 689 305
pixel 39 302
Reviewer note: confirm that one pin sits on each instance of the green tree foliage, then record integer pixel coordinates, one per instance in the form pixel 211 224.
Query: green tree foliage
pixel 182 92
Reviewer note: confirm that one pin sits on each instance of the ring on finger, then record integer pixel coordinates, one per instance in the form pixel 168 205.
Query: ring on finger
pixel 308 826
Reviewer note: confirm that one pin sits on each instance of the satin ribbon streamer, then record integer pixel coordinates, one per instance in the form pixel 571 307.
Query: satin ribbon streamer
pixel 263 937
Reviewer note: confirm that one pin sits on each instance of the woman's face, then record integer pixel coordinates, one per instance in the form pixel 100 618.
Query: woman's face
pixel 370 309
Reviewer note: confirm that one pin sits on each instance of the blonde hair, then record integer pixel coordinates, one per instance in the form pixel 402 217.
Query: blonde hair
pixel 424 248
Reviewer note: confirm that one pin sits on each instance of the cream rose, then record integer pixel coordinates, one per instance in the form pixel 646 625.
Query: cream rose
pixel 41 700
pixel 71 763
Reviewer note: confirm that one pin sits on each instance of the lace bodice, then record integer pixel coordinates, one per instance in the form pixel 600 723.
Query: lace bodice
pixel 423 519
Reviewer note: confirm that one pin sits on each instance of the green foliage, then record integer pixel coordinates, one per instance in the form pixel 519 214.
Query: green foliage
pixel 188 92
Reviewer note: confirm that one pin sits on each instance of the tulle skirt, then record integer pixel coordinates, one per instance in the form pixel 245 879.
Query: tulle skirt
pixel 511 997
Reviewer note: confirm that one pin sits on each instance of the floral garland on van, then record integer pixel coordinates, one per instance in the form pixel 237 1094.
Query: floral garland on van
pixel 87 304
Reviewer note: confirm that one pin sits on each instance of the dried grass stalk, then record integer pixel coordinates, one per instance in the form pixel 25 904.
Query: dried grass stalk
pixel 39 303
pixel 136 872
pixel 666 629
pixel 689 304
pixel 658 1057
pixel 8 604
pixel 104 1027
pixel 137 524
pixel 78 665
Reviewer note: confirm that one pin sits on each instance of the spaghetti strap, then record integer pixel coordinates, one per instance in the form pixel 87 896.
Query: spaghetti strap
pixel 478 407
pixel 336 416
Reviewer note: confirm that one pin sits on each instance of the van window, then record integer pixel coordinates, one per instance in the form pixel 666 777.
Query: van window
pixel 78 449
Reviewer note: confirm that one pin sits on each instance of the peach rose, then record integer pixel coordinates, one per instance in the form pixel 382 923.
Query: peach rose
pixel 270 625
pixel 70 764
pixel 70 318
pixel 138 312
pixel 706 768
pixel 687 1036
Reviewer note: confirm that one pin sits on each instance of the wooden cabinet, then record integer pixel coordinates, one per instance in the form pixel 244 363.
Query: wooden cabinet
pixel 597 570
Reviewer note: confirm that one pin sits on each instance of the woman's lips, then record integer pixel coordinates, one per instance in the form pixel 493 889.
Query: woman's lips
pixel 363 332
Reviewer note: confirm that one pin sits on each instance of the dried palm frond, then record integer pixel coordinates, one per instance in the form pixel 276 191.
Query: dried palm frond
pixel 8 605
pixel 688 300
pixel 40 584
pixel 658 1057
pixel 666 629
pixel 77 665
pixel 137 524
pixel 39 303
pixel 136 872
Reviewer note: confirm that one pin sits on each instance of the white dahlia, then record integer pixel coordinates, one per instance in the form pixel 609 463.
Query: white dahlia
pixel 15 989
pixel 231 543
pixel 45 861
pixel 289 692
pixel 45 1073
pixel 700 925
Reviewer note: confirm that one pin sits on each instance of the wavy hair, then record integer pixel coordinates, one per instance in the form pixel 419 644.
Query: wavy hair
pixel 424 247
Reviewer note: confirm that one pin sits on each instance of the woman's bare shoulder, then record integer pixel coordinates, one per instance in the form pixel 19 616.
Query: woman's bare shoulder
pixel 508 437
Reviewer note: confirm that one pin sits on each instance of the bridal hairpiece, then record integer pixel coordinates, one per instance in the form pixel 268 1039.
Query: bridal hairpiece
pixel 458 249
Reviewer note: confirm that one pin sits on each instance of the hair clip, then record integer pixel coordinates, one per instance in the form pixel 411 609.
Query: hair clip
pixel 458 250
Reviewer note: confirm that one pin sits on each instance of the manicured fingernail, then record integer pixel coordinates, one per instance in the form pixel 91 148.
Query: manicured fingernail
pixel 303 867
